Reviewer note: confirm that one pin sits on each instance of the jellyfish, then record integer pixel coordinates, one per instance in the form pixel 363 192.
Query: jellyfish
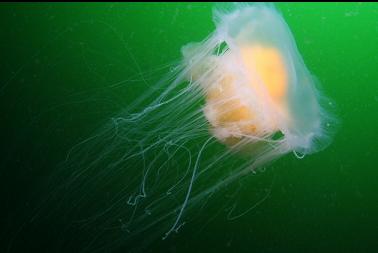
pixel 240 99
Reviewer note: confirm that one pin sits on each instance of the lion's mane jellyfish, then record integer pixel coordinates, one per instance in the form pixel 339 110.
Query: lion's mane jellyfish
pixel 240 99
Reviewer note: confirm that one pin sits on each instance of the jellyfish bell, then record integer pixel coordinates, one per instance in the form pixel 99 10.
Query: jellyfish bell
pixel 259 85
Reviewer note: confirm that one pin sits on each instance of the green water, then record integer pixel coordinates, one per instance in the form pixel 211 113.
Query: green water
pixel 64 71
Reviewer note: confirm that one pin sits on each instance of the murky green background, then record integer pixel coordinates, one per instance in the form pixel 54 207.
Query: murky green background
pixel 66 68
